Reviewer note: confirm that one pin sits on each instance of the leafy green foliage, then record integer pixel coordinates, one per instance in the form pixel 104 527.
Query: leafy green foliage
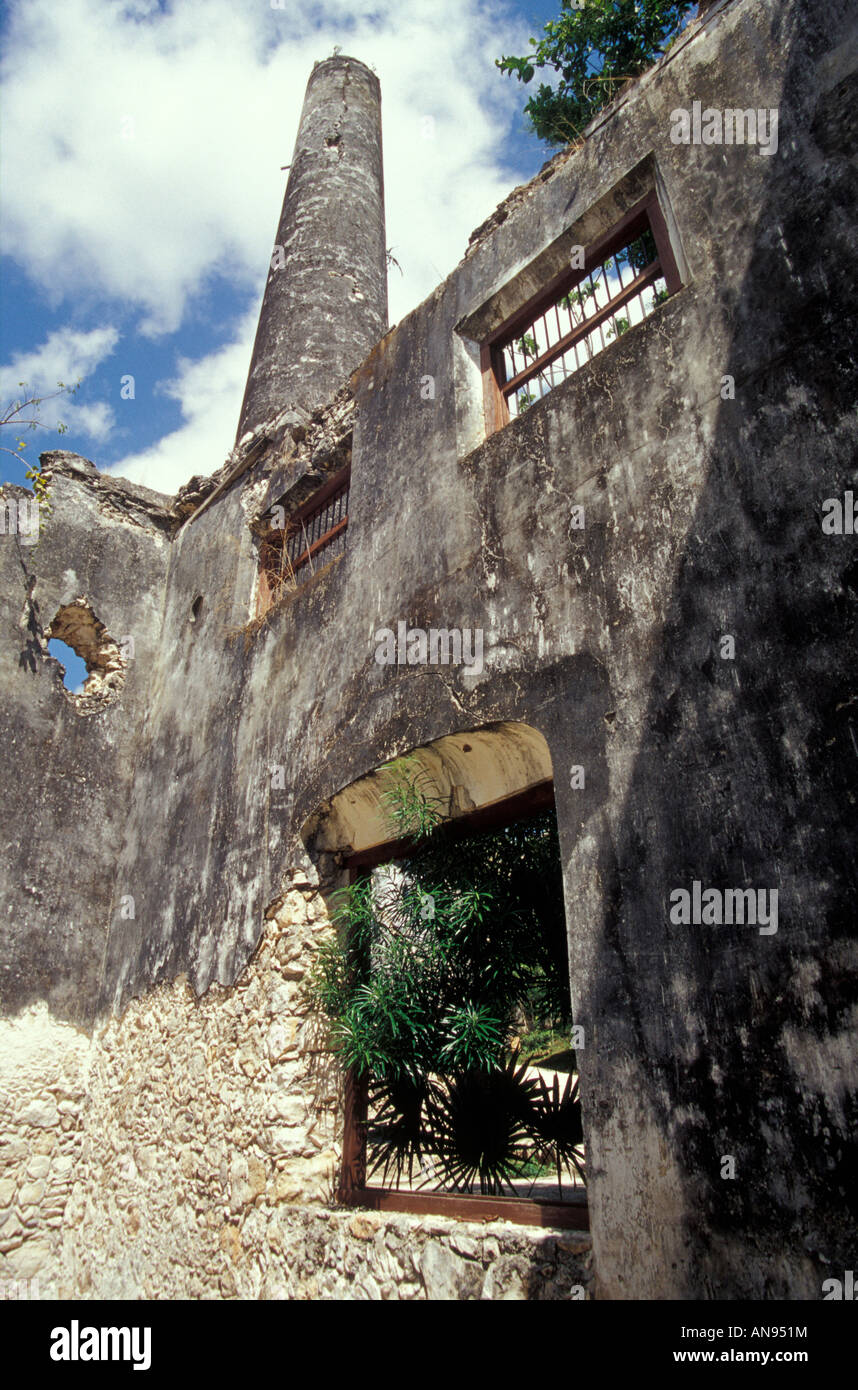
pixel 15 414
pixel 593 47
pixel 475 1037
pixel 517 872
pixel 539 1042
pixel 577 298
pixel 641 251
pixel 638 254
pixel 41 487
pixel 424 977
pixel 527 346
pixel 412 808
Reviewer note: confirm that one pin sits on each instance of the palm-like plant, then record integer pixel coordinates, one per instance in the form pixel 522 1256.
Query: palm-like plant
pixel 556 1125
pixel 480 1122
pixel 397 1135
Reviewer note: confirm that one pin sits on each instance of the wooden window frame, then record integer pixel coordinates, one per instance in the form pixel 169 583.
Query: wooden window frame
pixel 353 1189
pixel 274 539
pixel 645 214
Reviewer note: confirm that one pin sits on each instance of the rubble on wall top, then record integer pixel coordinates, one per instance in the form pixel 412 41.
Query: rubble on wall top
pixel 116 494
pixel 309 443
pixel 313 436
pixel 518 195
pixel 194 492
pixel 305 455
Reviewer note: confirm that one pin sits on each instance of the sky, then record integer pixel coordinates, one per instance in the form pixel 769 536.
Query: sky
pixel 142 183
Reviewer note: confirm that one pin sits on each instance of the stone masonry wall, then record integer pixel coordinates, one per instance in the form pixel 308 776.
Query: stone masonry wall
pixel 42 1086
pixel 200 1114
pixel 191 1149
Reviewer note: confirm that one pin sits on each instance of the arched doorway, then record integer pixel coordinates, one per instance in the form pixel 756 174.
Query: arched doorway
pixel 492 791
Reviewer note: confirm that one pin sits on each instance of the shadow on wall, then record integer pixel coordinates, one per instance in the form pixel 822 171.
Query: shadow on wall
pixel 748 760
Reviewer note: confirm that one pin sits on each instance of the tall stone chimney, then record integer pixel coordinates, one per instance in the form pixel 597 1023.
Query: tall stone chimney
pixel 325 302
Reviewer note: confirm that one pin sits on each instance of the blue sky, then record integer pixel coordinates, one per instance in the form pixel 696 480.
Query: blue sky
pixel 142 185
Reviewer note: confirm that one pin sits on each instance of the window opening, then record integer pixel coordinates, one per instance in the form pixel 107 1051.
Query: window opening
pixel 93 665
pixel 294 548
pixel 448 994
pixel 74 667
pixel 626 275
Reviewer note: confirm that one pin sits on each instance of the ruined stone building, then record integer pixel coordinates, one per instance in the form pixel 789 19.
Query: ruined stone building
pixel 658 554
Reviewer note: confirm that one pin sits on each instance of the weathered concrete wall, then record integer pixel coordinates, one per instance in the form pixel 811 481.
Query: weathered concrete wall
pixel 69 766
pixel 69 774
pixel 702 520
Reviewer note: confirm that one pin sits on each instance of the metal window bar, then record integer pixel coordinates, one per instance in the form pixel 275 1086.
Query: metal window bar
pixel 538 359
pixel 587 311
pixel 315 534
pixel 316 531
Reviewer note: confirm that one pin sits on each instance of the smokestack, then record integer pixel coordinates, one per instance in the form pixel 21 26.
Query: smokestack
pixel 325 303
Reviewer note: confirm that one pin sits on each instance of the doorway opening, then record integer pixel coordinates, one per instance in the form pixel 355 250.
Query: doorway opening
pixel 447 993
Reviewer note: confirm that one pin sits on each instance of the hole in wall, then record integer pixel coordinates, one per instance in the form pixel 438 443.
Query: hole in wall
pixel 196 609
pixel 74 667
pixel 76 629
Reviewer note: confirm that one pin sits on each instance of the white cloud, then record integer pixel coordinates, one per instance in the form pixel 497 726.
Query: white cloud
pixel 67 356
pixel 209 392
pixel 158 142
pixel 159 136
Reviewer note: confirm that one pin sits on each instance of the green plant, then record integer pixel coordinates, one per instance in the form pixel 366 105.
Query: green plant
pixel 525 399
pixel 474 1037
pixel 577 298
pixel 538 1042
pixel 16 416
pixel 556 1124
pixel 527 346
pixel 41 487
pixel 594 47
pixel 534 1168
pixel 642 251
pixel 480 1121
pixel 618 328
pixel 397 1135
pixel 411 805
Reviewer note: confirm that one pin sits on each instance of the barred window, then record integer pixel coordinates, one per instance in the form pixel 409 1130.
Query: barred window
pixel 625 275
pixel 294 548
